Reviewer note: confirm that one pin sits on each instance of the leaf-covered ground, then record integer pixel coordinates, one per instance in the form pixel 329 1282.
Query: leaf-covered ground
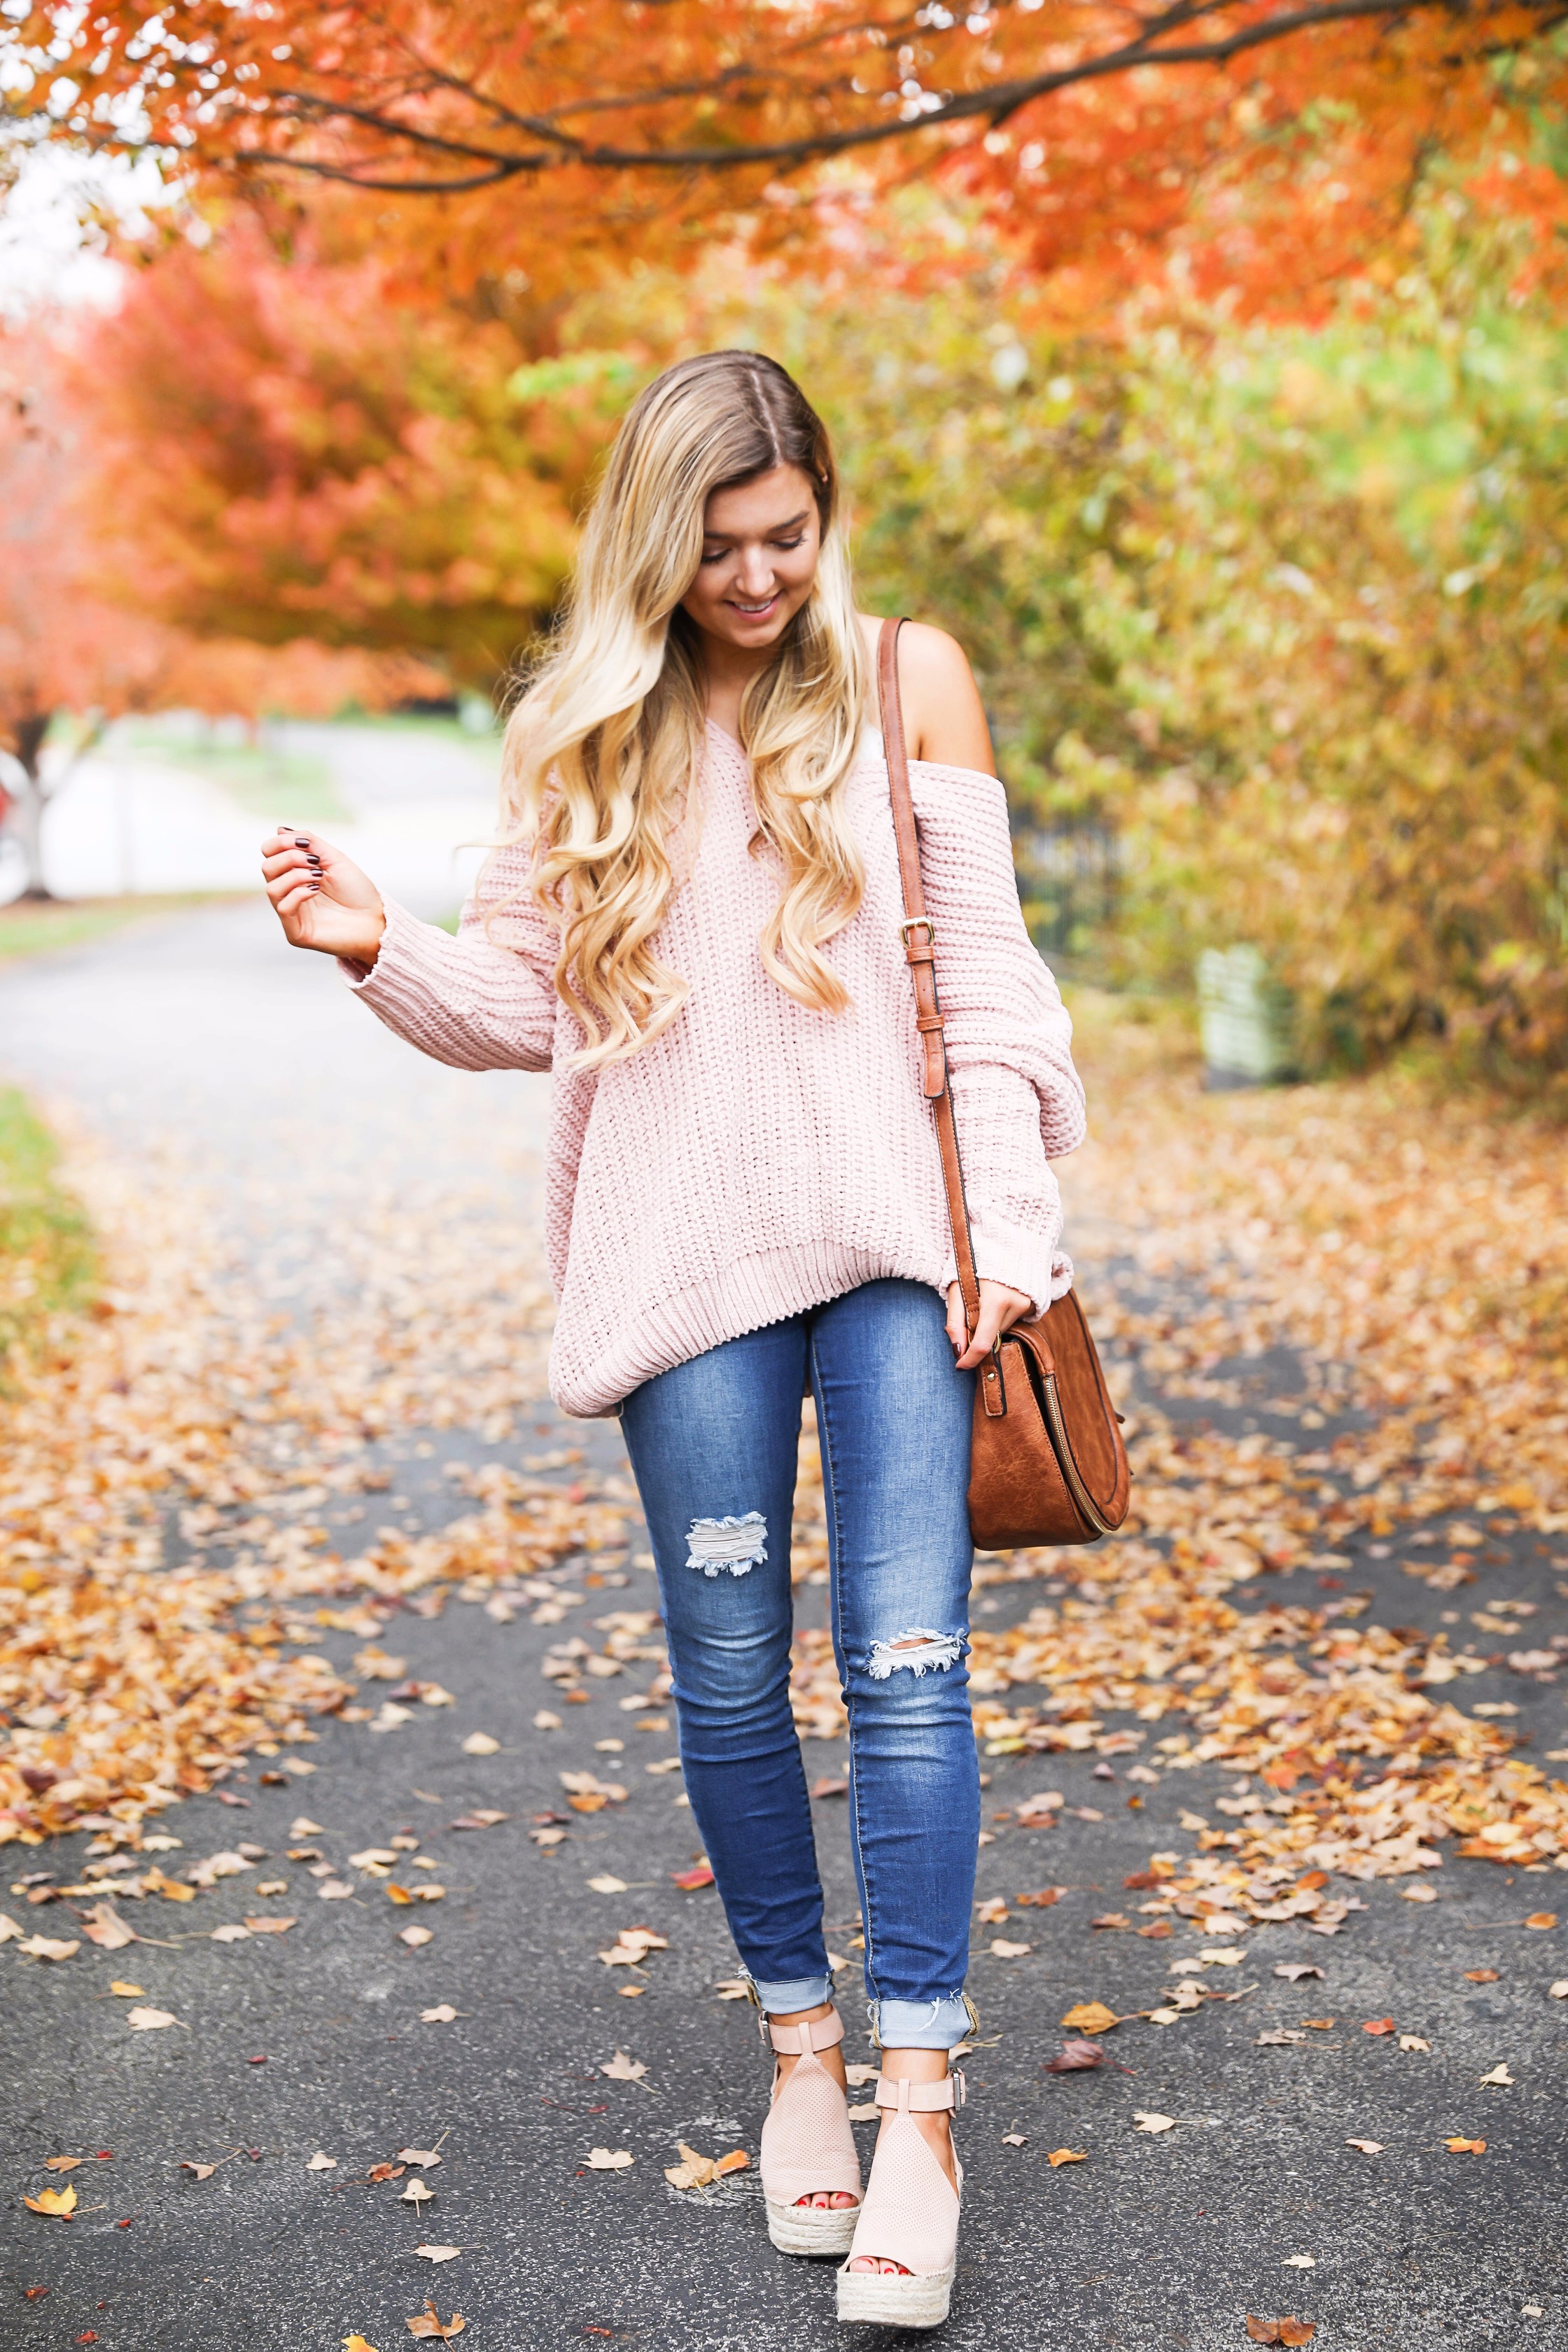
pixel 288 1532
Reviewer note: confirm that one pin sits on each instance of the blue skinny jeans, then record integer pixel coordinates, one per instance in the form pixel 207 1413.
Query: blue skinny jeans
pixel 714 1445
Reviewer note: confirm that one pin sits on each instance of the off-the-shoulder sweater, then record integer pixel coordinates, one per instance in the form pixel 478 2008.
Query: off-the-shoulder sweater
pixel 758 1157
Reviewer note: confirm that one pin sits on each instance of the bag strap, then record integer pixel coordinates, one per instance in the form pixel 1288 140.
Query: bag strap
pixel 920 954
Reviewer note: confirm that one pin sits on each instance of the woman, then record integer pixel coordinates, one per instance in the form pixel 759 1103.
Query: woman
pixel 695 923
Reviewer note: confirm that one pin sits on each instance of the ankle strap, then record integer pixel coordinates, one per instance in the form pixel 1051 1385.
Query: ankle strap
pixel 812 2033
pixel 921 2099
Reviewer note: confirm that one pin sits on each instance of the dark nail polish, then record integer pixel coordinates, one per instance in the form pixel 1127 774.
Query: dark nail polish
pixel 302 840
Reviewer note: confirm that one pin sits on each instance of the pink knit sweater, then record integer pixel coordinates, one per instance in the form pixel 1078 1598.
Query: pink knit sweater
pixel 757 1157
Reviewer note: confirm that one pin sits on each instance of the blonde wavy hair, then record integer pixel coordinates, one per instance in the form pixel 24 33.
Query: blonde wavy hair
pixel 603 748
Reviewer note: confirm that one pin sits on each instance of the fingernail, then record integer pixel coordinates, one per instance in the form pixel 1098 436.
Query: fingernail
pixel 303 839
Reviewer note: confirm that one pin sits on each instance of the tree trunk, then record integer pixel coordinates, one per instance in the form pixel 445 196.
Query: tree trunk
pixel 27 820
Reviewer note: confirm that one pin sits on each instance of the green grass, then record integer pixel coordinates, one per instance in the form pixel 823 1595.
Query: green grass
pixel 32 928
pixel 47 1256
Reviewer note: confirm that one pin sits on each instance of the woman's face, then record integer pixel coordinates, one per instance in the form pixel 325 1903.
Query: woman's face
pixel 759 544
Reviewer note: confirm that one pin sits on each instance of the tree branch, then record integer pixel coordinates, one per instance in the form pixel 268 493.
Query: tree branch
pixel 995 103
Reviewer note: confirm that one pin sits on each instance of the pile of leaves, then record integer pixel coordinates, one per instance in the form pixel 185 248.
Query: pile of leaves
pixel 166 1457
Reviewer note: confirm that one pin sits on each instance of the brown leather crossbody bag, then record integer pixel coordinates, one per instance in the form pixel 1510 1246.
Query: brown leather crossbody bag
pixel 1047 1464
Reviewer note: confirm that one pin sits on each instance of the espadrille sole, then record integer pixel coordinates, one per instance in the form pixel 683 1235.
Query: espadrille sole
pixel 876 2299
pixel 817 2229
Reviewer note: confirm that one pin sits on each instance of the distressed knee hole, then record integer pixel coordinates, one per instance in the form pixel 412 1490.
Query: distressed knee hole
pixel 920 1649
pixel 737 1544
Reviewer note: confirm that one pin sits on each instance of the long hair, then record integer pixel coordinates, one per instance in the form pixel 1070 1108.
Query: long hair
pixel 602 749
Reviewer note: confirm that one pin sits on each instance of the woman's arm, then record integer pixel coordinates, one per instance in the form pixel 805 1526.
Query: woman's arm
pixel 1017 1100
pixel 483 1001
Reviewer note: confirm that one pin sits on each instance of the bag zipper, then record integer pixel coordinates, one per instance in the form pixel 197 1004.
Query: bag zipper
pixel 1081 1497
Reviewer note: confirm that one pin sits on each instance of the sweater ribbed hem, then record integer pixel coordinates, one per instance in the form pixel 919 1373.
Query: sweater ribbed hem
pixel 768 1287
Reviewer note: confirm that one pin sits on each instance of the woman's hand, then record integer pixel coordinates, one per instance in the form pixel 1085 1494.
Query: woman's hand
pixel 1000 1309
pixel 323 900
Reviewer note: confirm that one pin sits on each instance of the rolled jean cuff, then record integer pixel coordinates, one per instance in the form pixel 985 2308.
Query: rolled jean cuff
pixel 921 2024
pixel 801 1992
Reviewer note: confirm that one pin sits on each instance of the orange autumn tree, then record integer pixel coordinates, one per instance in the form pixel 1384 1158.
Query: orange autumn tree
pixel 290 454
pixel 1258 143
pixel 72 654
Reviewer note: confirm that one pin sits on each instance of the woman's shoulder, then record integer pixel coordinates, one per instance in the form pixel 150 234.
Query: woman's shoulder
pixel 944 718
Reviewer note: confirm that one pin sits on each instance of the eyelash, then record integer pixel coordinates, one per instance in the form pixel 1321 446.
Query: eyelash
pixel 785 545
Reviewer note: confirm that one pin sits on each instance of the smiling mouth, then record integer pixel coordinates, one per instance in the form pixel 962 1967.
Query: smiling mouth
pixel 753 612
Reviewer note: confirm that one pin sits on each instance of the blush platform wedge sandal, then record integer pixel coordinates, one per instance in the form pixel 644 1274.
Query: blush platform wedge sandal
pixel 909 2215
pixel 808 2145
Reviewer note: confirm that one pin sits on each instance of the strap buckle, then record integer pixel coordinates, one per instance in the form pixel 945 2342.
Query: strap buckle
pixel 918 923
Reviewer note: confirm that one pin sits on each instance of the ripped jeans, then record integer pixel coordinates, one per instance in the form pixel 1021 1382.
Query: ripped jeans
pixel 714 1445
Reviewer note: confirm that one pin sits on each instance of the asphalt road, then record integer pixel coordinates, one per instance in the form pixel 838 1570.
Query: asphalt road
pixel 195 1038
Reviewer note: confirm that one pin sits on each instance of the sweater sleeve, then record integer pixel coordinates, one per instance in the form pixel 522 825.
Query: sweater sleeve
pixel 483 1001
pixel 1017 1100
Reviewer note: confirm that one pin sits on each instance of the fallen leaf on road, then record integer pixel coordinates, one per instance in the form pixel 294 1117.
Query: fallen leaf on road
pixel 357 2344
pixel 866 2111
pixel 1481 1975
pixel 386 2172
pixel 1301 2261
pixel 302 1826
pixel 732 1988
pixel 1466 2146
pixel 692 1881
pixel 1559 1991
pixel 1378 2025
pixel 60 2204
pixel 49 1947
pixel 148 2021
pixel 1541 1919
pixel 829 1788
pixel 1419 1893
pixel 415 1936
pixel 1280 2034
pixel 1412 2042
pixel 609 2159
pixel 1111 1919
pixel 62 2163
pixel 483 1817
pixel 417 2194
pixel 661 1764
pixel 438 2253
pixel 737 2160
pixel 126 1991
pixel 1002 1949
pixel 1222 1957
pixel 1145 2120
pixel 1091 2017
pixel 1498 2074
pixel 992 1912
pixel 1293 1971
pixel 442 2014
pixel 270 1927
pixel 1319 2025
pixel 232 1934
pixel 430 2324
pixel 624 2069
pixel 200 2171
pixel 334 1890
pixel 425 2157
pixel 694 2170
pixel 1013 2139
pixel 1075 2058
pixel 860 2073
pixel 1279 2331
pixel 319 2163
pixel 104 1927
pixel 1060 2156
pixel 1042 1900
pixel 479 1743
pixel 609 1885
pixel 1367 2147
